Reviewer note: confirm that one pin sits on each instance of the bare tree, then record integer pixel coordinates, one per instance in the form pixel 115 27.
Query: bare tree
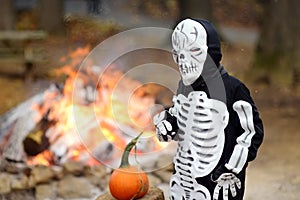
pixel 50 15
pixel 278 51
pixel 6 15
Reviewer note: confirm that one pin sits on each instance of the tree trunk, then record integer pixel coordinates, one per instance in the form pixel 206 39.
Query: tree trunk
pixel 278 51
pixel 6 15
pixel 50 15
pixel 195 9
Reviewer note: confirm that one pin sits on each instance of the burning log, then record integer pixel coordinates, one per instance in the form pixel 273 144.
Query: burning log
pixel 36 141
pixel 10 118
pixel 21 121
pixel 14 148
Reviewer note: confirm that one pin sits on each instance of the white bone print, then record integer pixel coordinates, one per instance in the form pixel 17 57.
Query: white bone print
pixel 187 188
pixel 227 181
pixel 201 140
pixel 240 152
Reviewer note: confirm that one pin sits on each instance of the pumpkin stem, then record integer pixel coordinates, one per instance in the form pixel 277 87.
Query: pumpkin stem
pixel 129 146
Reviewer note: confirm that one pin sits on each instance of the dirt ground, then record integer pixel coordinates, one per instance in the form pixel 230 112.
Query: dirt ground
pixel 274 175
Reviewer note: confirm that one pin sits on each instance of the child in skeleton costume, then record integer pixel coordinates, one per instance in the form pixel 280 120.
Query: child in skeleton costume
pixel 214 119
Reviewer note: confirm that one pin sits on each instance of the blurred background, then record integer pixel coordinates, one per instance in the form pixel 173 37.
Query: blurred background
pixel 260 44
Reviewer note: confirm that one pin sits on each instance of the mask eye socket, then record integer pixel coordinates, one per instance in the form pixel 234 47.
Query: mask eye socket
pixel 195 49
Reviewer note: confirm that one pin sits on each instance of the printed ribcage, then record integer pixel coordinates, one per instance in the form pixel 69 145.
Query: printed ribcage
pixel 201 136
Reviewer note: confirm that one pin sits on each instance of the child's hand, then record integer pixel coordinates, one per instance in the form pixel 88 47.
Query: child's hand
pixel 227 181
pixel 166 126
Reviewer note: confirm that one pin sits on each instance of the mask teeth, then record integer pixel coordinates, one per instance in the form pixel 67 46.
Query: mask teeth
pixel 185 69
pixel 190 69
pixel 193 68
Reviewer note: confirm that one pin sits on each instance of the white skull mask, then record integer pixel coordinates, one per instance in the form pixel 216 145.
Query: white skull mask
pixel 189 49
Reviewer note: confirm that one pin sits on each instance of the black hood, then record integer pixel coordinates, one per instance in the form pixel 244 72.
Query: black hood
pixel 213 41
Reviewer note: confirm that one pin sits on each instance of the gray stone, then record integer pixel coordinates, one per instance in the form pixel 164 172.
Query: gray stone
pixel 58 172
pixel 20 182
pixel 5 180
pixel 45 191
pixel 98 176
pixel 13 168
pixel 31 182
pixel 98 170
pixel 99 182
pixel 73 167
pixel 2 164
pixel 19 195
pixel 74 187
pixel 41 174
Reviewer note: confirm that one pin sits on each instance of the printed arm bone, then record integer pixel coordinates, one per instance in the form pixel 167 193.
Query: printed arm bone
pixel 240 153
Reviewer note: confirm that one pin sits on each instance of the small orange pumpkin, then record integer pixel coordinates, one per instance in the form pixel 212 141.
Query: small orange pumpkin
pixel 128 182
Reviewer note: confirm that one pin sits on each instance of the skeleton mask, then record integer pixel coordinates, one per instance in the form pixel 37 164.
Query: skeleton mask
pixel 189 49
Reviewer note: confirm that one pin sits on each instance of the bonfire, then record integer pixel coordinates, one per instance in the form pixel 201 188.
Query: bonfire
pixel 89 118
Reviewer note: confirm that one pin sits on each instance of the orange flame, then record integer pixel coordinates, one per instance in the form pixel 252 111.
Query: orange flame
pixel 72 102
pixel 44 158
